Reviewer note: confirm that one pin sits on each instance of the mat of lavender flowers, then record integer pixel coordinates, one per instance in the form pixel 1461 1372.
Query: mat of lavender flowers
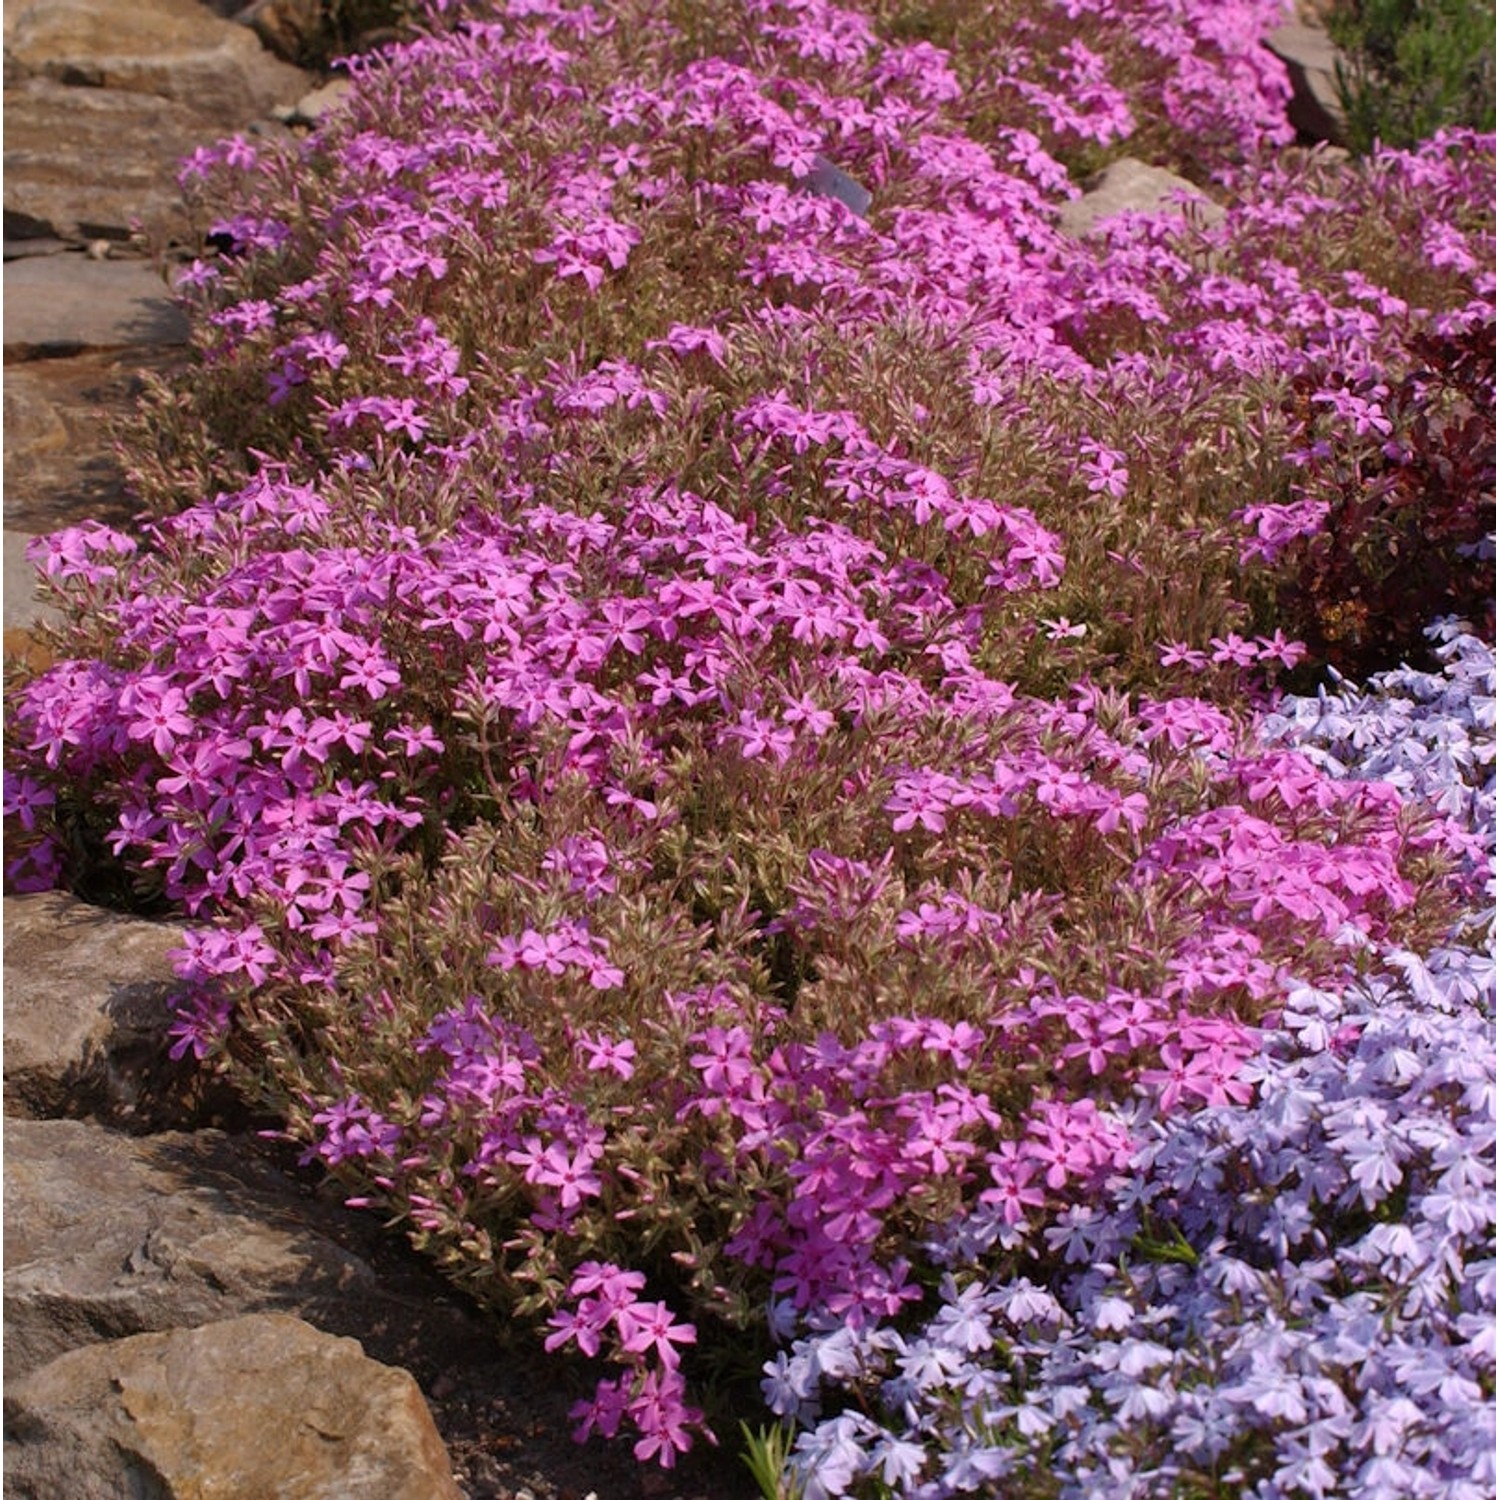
pixel 877 816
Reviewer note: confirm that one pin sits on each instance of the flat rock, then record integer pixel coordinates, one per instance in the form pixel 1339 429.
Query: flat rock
pixel 1312 66
pixel 31 245
pixel 86 992
pixel 289 28
pixel 23 610
pixel 263 1405
pixel 108 1235
pixel 177 49
pixel 60 463
pixel 85 164
pixel 1131 186
pixel 62 304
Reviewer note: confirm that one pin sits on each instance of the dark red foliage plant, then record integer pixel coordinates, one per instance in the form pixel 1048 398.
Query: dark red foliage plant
pixel 1407 475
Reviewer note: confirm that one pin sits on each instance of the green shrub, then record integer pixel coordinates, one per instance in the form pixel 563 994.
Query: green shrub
pixel 1414 66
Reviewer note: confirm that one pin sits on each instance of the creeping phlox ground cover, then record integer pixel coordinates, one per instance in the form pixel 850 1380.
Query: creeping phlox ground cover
pixel 714 740
pixel 1289 1294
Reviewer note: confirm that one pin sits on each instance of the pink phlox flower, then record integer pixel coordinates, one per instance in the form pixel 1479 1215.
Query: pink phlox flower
pixel 1362 412
pixel 1027 152
pixel 658 1410
pixel 327 348
pixel 795 150
pixel 1034 559
pixel 1104 469
pixel 584 1327
pixel 1012 1174
pixel 615 1288
pixel 648 1328
pixel 603 1414
pixel 610 1054
pixel 415 739
pixel 724 1059
pixel 804 711
pixel 1289 777
pixel 1445 248
pixel 933 1136
pixel 350 1128
pixel 1279 649
pixel 1094 1044
pixel 297 737
pixel 214 952
pixel 777 417
pixel 1234 648
pixel 25 798
pixel 1184 721
pixel 1207 1072
pixel 1071 1139
pixel 683 339
pixel 617 796
pixel 1174 653
pixel 247 317
pixel 758 736
pixel 369 669
pixel 921 797
pixel 159 713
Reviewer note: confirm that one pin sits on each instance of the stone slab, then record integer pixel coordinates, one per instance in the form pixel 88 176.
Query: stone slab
pixel 108 1235
pixel 62 304
pixel 257 1406
pixel 177 49
pixel 59 461
pixel 1312 66
pixel 87 164
pixel 25 249
pixel 86 1010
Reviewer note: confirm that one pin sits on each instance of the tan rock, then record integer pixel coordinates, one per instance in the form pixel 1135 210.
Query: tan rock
pixel 312 107
pixel 60 464
pixel 177 49
pixel 1131 186
pixel 85 995
pixel 263 1405
pixel 85 164
pixel 292 29
pixel 109 1235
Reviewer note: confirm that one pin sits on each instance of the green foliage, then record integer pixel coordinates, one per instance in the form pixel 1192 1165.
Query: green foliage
pixel 766 1453
pixel 1414 67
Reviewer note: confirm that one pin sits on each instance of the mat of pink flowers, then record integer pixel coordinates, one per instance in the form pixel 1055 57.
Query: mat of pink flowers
pixel 708 682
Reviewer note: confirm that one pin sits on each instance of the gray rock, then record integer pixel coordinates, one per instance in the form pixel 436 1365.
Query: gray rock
pixel 86 991
pixel 1311 63
pixel 254 1406
pixel 174 48
pixel 108 1235
pixel 61 304
pixel 1131 186
pixel 84 164
pixel 23 610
